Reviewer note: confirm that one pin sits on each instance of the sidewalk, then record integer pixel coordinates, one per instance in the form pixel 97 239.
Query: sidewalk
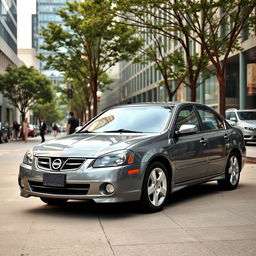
pixel 251 153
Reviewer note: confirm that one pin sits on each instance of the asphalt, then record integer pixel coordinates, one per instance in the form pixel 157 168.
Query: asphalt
pixel 197 221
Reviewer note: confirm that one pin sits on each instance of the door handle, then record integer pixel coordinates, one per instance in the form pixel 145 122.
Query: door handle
pixel 203 141
pixel 226 137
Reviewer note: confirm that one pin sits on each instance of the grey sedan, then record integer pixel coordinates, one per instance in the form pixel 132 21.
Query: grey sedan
pixel 140 153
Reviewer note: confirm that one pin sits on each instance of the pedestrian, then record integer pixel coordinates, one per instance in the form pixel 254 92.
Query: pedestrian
pixel 16 130
pixel 55 129
pixel 25 126
pixel 72 123
pixel 42 128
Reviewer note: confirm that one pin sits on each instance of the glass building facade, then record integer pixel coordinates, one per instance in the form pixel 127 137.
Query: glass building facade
pixel 142 82
pixel 8 51
pixel 46 12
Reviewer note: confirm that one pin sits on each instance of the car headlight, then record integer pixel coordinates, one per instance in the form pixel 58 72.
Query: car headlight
pixel 249 128
pixel 28 158
pixel 114 159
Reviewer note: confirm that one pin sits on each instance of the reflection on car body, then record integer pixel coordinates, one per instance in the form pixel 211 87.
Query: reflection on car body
pixel 143 153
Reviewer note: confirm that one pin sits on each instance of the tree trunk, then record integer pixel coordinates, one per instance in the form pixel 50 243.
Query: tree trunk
pixel 222 95
pixel 169 90
pixel 23 115
pixel 94 87
pixel 193 85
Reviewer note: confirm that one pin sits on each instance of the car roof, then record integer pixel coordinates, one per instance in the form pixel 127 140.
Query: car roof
pixel 161 104
pixel 240 110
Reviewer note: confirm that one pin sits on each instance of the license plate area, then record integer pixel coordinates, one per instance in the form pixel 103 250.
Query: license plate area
pixel 54 180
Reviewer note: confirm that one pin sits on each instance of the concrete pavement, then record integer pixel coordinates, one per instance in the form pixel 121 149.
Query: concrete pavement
pixel 202 220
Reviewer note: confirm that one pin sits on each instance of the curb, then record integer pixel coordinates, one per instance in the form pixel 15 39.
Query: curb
pixel 250 160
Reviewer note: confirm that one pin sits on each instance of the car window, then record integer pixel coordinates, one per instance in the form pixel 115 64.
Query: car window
pixel 187 116
pixel 210 121
pixel 232 114
pixel 131 119
pixel 247 115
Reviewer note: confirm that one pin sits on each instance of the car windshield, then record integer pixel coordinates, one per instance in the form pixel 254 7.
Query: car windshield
pixel 146 119
pixel 247 115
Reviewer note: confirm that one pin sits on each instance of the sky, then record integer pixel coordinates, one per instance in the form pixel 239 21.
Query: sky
pixel 25 8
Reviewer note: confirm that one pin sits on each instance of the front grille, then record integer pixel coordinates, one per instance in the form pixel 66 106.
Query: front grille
pixel 69 189
pixel 59 163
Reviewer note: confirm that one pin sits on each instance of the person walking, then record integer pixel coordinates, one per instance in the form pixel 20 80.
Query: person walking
pixel 25 126
pixel 55 129
pixel 42 128
pixel 16 130
pixel 72 123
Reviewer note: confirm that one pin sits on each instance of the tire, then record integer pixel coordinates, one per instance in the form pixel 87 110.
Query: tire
pixel 6 140
pixel 155 188
pixel 232 173
pixel 53 201
pixel 1 139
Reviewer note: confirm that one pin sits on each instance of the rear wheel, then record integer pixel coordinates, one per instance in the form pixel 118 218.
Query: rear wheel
pixel 53 201
pixel 155 188
pixel 232 173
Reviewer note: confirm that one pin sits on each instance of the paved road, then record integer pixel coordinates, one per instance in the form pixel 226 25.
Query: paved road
pixel 199 221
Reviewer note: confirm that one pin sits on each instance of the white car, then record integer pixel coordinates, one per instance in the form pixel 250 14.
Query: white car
pixel 245 120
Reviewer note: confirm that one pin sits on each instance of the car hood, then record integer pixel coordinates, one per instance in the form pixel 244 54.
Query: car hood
pixel 252 123
pixel 88 145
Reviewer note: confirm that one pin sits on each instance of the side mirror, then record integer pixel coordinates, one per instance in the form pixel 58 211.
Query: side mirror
pixel 78 128
pixel 233 119
pixel 187 129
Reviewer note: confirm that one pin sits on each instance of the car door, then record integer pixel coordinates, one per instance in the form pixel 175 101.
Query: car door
pixel 217 140
pixel 188 150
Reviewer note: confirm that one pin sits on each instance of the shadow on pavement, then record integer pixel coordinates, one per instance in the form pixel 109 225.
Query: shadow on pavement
pixel 89 209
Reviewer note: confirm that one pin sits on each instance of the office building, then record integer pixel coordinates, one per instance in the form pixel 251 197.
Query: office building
pixel 45 13
pixel 140 82
pixel 8 52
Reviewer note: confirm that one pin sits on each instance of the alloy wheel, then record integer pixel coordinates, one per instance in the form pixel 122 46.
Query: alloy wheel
pixel 233 170
pixel 157 186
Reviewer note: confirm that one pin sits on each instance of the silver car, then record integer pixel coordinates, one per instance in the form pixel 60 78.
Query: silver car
pixel 245 120
pixel 136 153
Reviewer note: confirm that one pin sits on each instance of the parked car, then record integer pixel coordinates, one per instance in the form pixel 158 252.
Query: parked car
pixel 245 120
pixel 3 133
pixel 139 153
pixel 32 130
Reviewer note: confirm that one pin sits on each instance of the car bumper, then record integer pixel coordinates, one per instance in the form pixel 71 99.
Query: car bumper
pixel 85 183
pixel 249 135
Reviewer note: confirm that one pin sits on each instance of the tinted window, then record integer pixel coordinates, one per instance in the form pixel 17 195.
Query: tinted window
pixel 210 121
pixel 187 116
pixel 247 115
pixel 141 119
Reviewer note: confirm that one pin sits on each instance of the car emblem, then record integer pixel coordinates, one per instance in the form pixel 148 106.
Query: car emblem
pixel 56 164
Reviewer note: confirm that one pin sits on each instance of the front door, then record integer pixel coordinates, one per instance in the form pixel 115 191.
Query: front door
pixel 188 151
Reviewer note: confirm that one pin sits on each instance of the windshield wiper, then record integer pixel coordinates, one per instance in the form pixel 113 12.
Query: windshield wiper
pixel 86 131
pixel 123 130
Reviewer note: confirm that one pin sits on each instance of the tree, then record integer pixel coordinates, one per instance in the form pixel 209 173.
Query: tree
pixel 25 86
pixel 218 30
pixel 88 41
pixel 161 18
pixel 215 25
pixel 49 111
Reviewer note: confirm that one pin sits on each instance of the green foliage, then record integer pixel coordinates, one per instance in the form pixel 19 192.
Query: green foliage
pixel 50 112
pixel 25 86
pixel 88 42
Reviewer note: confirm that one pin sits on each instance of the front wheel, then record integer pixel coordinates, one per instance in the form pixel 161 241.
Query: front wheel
pixel 232 173
pixel 155 188
pixel 53 201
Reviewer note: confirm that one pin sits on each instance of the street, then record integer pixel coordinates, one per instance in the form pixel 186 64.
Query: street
pixel 202 220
